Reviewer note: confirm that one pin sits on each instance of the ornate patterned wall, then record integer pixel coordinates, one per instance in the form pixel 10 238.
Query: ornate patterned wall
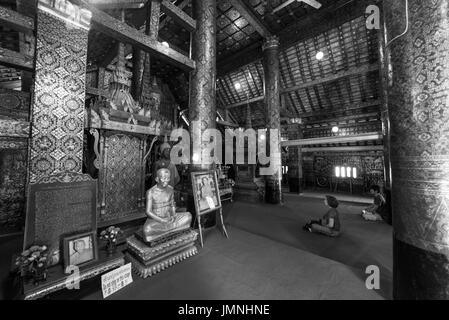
pixel 58 103
pixel 202 105
pixel 419 115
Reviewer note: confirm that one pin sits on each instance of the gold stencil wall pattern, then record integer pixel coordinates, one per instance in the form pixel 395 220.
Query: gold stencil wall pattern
pixel 58 103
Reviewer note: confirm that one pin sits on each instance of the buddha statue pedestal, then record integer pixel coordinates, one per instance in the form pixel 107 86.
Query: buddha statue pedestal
pixel 166 237
pixel 150 258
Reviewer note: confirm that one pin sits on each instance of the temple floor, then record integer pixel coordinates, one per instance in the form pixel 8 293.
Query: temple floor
pixel 269 256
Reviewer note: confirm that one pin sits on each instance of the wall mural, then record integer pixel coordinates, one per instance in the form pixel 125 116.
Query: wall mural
pixel 319 168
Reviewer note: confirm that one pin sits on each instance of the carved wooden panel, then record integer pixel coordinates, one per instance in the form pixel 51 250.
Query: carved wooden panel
pixel 121 178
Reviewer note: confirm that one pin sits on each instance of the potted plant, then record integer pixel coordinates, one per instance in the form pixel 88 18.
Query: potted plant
pixel 110 235
pixel 32 264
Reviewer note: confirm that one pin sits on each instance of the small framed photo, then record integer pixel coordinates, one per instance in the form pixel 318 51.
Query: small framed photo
pixel 205 191
pixel 80 249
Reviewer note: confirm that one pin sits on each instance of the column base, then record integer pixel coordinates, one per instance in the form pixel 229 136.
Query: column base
pixel 419 274
pixel 294 185
pixel 272 192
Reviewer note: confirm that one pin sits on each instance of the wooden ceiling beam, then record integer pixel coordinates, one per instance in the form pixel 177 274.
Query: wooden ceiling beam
pixel 251 17
pixel 244 103
pixel 167 18
pixel 124 33
pixel 352 108
pixel 16 21
pixel 371 136
pixel 16 60
pixel 344 149
pixel 334 77
pixel 178 15
pixel 118 4
pixel 342 119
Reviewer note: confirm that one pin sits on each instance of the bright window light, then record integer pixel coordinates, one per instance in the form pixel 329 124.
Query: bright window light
pixel 348 172
pixel 354 173
pixel 343 172
pixel 337 172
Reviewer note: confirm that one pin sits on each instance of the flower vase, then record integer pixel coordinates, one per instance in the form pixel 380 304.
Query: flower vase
pixel 39 274
pixel 111 248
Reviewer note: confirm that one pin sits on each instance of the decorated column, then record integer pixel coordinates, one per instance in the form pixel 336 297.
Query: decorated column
pixel 417 96
pixel 57 107
pixel 272 104
pixel 385 118
pixel 202 107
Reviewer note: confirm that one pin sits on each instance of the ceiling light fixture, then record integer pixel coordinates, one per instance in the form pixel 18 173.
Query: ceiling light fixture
pixel 320 55
pixel 165 44
pixel 237 86
pixel 335 129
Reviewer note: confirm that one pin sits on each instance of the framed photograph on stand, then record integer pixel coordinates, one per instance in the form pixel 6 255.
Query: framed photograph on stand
pixel 206 196
pixel 80 249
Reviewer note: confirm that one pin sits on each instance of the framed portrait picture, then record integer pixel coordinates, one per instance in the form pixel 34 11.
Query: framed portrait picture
pixel 80 249
pixel 205 191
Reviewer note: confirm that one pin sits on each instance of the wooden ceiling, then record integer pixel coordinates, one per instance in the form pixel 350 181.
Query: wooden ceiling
pixel 346 79
pixel 345 83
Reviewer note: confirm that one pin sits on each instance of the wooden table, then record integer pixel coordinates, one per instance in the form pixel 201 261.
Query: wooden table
pixel 56 279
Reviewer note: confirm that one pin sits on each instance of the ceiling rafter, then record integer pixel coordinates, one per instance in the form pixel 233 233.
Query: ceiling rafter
pixel 251 17
pixel 118 4
pixel 167 18
pixel 16 60
pixel 16 20
pixel 178 15
pixel 127 34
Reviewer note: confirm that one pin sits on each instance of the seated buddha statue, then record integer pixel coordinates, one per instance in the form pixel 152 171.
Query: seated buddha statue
pixel 161 211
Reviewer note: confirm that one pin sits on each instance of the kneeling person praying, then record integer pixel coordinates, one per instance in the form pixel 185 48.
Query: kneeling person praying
pixel 329 225
pixel 378 209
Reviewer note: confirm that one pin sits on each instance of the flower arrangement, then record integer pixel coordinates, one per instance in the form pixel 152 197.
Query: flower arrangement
pixel 110 235
pixel 32 263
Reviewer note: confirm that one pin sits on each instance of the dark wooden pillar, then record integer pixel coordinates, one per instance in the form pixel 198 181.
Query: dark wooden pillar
pixel 57 106
pixel 417 97
pixel 272 112
pixel 202 107
pixel 294 160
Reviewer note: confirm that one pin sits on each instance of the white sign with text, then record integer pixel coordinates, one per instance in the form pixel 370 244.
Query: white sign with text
pixel 116 280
